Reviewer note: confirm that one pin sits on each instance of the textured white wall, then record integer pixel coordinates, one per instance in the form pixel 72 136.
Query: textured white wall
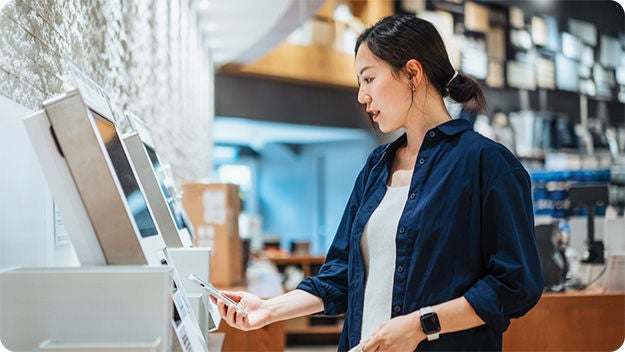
pixel 145 53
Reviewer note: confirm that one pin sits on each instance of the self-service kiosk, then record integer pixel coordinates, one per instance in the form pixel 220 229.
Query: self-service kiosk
pixel 171 217
pixel 124 296
pixel 142 151
pixel 171 220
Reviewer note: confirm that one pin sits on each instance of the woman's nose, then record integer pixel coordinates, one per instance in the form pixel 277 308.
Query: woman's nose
pixel 364 98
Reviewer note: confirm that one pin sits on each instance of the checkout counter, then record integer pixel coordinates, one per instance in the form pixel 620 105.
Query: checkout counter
pixel 584 309
pixel 587 320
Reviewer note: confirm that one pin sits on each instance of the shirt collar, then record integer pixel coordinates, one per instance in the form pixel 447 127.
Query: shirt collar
pixel 393 146
pixel 449 128
pixel 454 127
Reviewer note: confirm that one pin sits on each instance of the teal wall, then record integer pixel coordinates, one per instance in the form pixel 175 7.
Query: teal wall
pixel 303 190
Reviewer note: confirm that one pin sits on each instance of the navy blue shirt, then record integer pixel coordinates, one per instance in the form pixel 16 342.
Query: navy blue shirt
pixel 467 230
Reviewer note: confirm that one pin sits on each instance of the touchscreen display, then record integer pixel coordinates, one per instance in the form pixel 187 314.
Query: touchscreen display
pixel 156 165
pixel 130 185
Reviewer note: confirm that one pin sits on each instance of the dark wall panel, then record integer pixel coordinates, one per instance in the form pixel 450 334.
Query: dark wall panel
pixel 280 101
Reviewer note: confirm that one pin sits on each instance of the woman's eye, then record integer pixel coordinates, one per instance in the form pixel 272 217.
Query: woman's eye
pixel 367 80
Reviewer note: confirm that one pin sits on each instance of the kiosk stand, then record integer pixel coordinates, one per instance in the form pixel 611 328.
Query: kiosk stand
pixel 128 294
pixel 103 308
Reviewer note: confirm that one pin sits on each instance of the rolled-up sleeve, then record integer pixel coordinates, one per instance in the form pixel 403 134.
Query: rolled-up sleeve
pixel 513 281
pixel 330 285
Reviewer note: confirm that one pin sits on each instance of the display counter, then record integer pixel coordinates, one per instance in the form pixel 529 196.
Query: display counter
pixel 586 320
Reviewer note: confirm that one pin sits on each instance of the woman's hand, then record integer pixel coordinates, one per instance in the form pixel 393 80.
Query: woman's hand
pixel 402 333
pixel 258 315
pixel 261 312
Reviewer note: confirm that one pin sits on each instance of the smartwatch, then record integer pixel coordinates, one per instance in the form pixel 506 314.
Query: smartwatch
pixel 429 323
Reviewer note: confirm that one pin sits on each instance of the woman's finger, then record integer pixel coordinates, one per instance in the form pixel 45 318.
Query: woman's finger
pixel 223 309
pixel 239 319
pixel 371 345
pixel 231 311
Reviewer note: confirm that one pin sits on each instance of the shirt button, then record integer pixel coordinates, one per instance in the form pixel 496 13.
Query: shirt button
pixel 421 161
pixel 402 230
pixel 412 196
pixel 432 134
pixel 397 309
pixel 400 269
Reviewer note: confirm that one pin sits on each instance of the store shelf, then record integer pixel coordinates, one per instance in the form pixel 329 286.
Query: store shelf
pixel 315 64
pixel 308 263
pixel 315 324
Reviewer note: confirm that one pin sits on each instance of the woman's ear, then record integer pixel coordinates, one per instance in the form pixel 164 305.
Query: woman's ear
pixel 414 70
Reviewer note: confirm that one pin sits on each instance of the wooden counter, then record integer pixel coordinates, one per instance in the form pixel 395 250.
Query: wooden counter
pixel 571 321
pixel 268 338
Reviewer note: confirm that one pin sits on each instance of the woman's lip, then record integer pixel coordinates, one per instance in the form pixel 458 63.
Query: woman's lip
pixel 374 115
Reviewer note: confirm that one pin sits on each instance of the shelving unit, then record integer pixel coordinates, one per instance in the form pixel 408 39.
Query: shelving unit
pixel 291 62
pixel 308 263
pixel 309 327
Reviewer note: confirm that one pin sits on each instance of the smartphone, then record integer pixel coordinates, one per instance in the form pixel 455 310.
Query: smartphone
pixel 217 294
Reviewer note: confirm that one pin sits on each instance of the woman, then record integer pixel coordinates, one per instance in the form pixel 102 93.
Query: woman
pixel 436 247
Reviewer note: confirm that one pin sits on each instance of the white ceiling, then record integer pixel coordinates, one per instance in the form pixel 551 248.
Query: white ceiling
pixel 242 31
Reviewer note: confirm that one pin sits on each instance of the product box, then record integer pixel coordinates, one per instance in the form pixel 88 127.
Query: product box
pixel 214 209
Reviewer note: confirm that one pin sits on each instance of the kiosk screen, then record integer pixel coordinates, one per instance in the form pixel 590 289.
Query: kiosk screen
pixel 126 176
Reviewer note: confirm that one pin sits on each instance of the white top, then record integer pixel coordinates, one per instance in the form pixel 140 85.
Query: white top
pixel 379 253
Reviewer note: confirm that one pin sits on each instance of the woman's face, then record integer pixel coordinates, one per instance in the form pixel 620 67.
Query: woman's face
pixel 387 97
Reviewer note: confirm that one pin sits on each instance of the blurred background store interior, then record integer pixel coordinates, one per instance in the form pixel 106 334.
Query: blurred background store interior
pixel 262 95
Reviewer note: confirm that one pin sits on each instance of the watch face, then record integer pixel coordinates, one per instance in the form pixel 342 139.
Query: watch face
pixel 430 324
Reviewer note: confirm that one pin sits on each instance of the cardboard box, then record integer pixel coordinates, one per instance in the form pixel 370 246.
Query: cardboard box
pixel 213 209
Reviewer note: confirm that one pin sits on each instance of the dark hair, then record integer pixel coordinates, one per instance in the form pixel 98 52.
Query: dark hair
pixel 397 39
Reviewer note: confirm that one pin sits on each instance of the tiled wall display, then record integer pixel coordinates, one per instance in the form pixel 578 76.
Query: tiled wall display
pixel 146 54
